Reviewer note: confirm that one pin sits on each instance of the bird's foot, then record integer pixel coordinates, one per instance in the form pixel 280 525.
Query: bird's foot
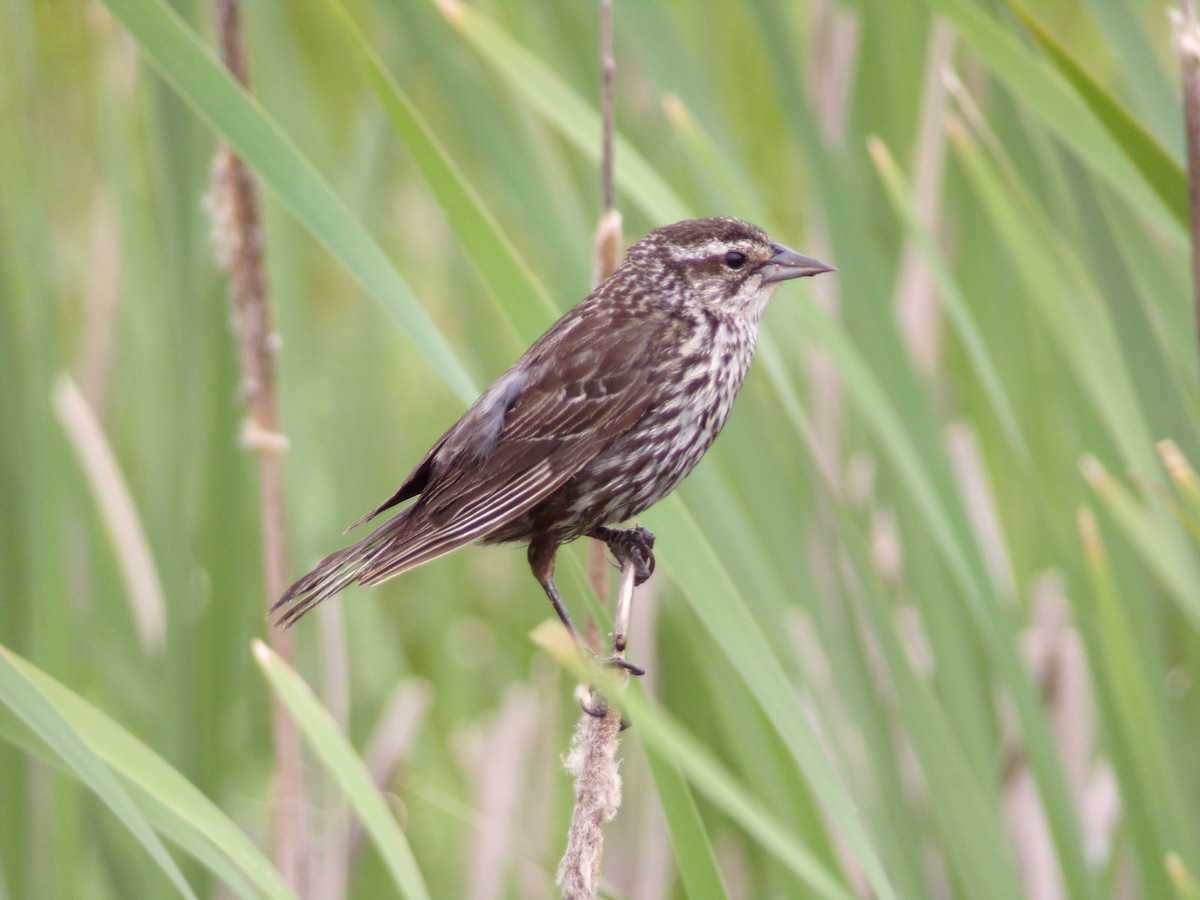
pixel 591 701
pixel 594 703
pixel 632 545
pixel 620 662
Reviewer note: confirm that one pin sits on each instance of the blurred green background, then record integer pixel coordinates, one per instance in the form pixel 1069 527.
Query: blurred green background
pixel 925 619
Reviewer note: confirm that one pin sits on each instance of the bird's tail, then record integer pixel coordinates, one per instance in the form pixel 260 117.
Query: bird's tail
pixel 337 571
pixel 409 539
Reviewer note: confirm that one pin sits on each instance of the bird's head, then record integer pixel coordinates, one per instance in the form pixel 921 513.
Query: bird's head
pixel 731 266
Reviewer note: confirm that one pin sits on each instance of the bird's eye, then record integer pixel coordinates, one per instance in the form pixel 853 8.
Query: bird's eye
pixel 735 259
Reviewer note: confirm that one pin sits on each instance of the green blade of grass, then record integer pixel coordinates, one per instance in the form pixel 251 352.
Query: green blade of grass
pixel 1187 486
pixel 1067 299
pixel 661 732
pixel 1158 283
pixel 1163 819
pixel 966 807
pixel 696 861
pixel 550 97
pixel 346 768
pixel 493 255
pixel 199 78
pixel 696 567
pixel 23 697
pixel 709 777
pixel 199 823
pixel 993 623
pixel 1060 110
pixel 1164 175
pixel 1150 534
pixel 953 300
pixel 1069 304
pixel 19 735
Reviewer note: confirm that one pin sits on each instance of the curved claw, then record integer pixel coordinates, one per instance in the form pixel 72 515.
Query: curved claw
pixel 639 546
pixel 591 702
pixel 620 662
pixel 634 545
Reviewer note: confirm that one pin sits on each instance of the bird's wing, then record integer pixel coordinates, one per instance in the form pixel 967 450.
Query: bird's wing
pixel 577 395
pixel 577 389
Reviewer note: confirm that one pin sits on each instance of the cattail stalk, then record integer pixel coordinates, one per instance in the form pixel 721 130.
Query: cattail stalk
pixel 233 204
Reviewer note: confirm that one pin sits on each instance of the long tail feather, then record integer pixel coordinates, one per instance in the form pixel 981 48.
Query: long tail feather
pixel 337 571
pixel 410 539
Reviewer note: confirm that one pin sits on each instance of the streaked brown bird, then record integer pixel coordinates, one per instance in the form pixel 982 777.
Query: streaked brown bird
pixel 602 417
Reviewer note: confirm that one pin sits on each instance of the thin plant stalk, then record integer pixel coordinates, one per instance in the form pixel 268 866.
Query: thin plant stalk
pixel 607 245
pixel 238 230
pixel 1189 53
pixel 592 759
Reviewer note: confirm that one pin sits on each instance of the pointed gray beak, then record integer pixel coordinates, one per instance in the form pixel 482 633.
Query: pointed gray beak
pixel 787 263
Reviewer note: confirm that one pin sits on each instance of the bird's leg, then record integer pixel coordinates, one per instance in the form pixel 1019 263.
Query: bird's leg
pixel 633 545
pixel 541 561
pixel 547 585
pixel 633 548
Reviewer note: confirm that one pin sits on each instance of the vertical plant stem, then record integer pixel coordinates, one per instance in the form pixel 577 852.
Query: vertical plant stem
pixel 592 758
pixel 237 225
pixel 607 245
pixel 608 69
pixel 1189 53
